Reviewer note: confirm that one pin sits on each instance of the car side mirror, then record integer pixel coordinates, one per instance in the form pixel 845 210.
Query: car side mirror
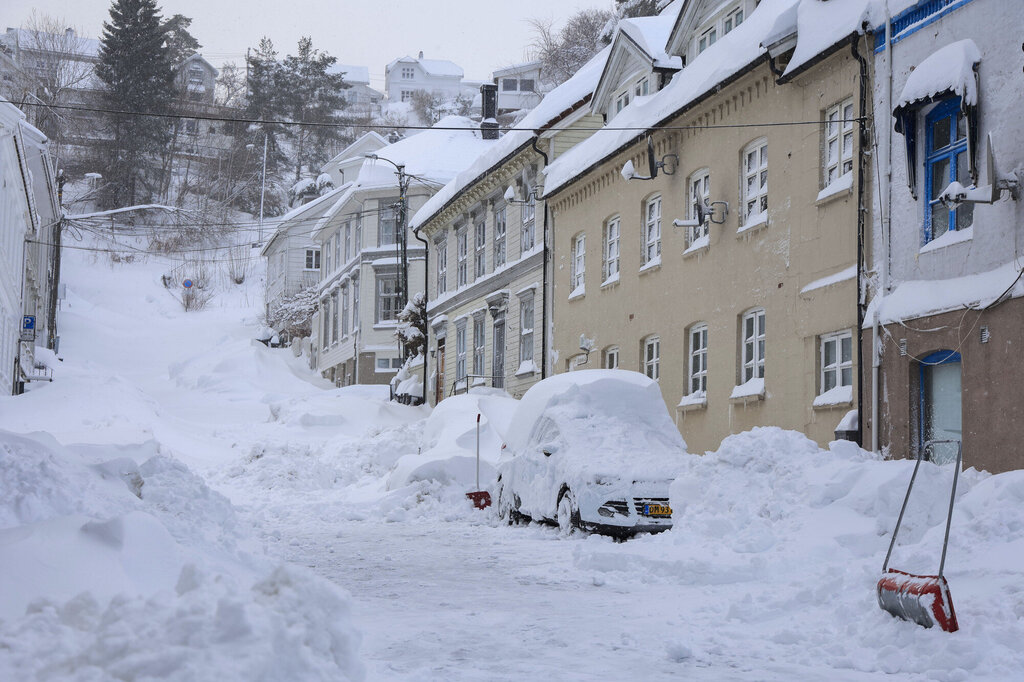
pixel 547 453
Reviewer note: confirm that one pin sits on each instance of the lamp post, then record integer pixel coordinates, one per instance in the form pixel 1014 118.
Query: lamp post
pixel 402 229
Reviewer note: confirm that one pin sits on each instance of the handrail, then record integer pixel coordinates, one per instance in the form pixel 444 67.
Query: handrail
pixel 454 390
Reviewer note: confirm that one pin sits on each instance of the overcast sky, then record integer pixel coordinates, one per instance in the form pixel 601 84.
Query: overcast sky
pixel 478 35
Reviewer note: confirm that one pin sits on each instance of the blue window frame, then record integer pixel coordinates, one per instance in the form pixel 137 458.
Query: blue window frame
pixel 945 160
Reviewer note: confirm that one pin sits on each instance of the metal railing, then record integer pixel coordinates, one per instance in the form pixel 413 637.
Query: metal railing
pixel 460 386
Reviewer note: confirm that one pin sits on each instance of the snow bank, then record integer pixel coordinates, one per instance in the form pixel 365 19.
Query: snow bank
pixel 782 544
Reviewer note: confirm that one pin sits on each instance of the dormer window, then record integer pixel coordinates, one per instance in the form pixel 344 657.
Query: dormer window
pixel 642 87
pixel 707 39
pixel 732 20
pixel 622 101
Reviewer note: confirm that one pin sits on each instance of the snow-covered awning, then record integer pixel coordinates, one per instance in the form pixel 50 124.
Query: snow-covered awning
pixel 951 71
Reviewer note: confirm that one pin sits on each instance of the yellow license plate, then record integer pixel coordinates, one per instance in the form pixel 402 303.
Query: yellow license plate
pixel 657 510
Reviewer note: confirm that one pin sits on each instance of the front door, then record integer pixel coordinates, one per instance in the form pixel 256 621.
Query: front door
pixel 498 359
pixel 439 382
pixel 941 409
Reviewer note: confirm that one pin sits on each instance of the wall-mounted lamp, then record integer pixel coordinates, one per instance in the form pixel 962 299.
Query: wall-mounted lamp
pixel 510 196
pixel 706 212
pixel 668 165
pixel 956 194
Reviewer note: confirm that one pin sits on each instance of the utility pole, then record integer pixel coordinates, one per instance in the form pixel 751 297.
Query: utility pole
pixel 263 183
pixel 58 230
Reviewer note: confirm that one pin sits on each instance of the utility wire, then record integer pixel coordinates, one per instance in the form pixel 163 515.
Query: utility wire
pixel 362 123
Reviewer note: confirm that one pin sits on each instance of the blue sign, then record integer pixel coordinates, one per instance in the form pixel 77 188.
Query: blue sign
pixel 187 284
pixel 28 323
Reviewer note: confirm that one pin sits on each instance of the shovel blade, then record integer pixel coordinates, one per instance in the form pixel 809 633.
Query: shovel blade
pixel 481 499
pixel 922 599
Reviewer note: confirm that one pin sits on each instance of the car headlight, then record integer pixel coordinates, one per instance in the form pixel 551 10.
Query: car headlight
pixel 614 508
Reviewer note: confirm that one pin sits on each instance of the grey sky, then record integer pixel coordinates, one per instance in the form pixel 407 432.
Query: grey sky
pixel 478 35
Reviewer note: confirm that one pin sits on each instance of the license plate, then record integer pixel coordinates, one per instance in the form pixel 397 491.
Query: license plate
pixel 657 510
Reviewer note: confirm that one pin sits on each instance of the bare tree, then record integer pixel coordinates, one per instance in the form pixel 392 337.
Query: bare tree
pixel 231 86
pixel 563 52
pixel 54 62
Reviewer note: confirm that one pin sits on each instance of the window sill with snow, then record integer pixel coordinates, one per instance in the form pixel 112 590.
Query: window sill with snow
pixel 754 223
pixel 611 281
pixel 839 188
pixel 751 391
pixel 697 400
pixel 949 239
pixel 698 246
pixel 651 265
pixel 578 292
pixel 527 368
pixel 840 396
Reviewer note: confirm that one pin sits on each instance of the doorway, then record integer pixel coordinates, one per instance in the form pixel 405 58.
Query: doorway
pixel 941 404
pixel 439 382
pixel 498 353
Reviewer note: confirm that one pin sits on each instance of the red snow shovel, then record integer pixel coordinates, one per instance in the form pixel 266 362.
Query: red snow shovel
pixel 924 599
pixel 481 498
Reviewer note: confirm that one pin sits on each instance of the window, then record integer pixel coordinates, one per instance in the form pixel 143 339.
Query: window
pixel 526 329
pixel 753 345
pixel 838 150
pixel 337 249
pixel 325 313
pixel 611 358
pixel 344 312
pixel 526 85
pixel 480 249
pixel 441 249
pixel 642 87
pixel 622 101
pixel 652 230
pixel 357 243
pixel 528 214
pixel 348 241
pixel 652 357
pixel 611 248
pixel 355 304
pixel 755 180
pixel 579 262
pixel 387 298
pixel 388 232
pixel 946 160
pixel 406 95
pixel 312 259
pixel 461 256
pixel 499 237
pixel 478 345
pixel 408 73
pixel 836 361
pixel 707 39
pixel 509 85
pixel 388 364
pixel 700 195
pixel 334 316
pixel 698 358
pixel 732 20
pixel 460 351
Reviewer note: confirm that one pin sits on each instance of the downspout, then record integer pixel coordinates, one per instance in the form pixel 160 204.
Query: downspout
pixel 862 145
pixel 426 321
pixel 885 224
pixel 544 276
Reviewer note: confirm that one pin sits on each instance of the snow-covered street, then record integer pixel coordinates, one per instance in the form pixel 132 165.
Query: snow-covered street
pixel 184 503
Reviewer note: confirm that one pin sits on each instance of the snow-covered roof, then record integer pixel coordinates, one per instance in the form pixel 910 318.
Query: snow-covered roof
pixel 305 215
pixel 651 34
pixel 353 74
pixel 196 57
pixel 26 39
pixel 732 53
pixel 948 69
pixel 516 68
pixel 551 107
pixel 433 67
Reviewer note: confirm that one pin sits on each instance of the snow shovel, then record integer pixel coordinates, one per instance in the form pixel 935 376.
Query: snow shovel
pixel 481 498
pixel 924 599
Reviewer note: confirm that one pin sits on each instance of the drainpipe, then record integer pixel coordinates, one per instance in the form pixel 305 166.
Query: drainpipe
pixel 862 144
pixel 885 224
pixel 426 322
pixel 544 277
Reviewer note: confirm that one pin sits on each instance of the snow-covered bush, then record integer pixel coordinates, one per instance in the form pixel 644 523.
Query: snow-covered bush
pixel 293 314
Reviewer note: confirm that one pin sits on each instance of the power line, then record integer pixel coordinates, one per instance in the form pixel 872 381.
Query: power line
pixel 362 123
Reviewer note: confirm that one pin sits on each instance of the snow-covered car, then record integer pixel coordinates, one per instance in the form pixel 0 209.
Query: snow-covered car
pixel 594 450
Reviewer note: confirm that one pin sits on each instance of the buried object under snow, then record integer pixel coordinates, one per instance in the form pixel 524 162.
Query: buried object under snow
pixel 923 599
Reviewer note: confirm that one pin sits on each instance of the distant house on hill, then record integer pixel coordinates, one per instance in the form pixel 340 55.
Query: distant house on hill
pixel 519 86
pixel 407 75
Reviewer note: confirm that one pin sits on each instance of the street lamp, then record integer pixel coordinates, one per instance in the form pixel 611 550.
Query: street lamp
pixel 402 228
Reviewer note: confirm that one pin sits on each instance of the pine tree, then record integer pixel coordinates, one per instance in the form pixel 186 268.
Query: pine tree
pixel 135 64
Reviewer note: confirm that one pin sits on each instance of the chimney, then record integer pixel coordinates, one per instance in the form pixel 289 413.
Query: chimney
pixel 421 54
pixel 489 110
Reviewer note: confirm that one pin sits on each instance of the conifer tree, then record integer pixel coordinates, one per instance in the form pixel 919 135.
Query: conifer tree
pixel 135 64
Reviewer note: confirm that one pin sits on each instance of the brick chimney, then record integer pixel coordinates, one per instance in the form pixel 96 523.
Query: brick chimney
pixel 489 110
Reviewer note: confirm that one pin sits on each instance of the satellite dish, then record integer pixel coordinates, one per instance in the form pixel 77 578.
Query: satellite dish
pixel 628 171
pixel 510 194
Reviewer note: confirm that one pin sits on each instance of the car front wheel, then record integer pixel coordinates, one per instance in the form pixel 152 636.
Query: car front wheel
pixel 507 509
pixel 568 513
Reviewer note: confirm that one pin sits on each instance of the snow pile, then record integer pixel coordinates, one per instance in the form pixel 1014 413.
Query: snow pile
pixel 782 544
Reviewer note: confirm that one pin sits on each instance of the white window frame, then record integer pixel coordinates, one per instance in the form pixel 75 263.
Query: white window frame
pixel 407 95
pixel 388 216
pixel 708 38
pixel 348 242
pixel 344 312
pixel 312 259
pixel 480 248
pixel 610 249
pixel 752 345
pixel 387 312
pixel 325 314
pixel 461 257
pixel 441 251
pixel 479 343
pixel 526 326
pixel 408 73
pixel 652 230
pixel 460 351
pixel 509 84
pixel 337 249
pixel 334 317
pixel 837 150
pixel 579 262
pixel 642 87
pixel 651 358
pixel 754 179
pixel 732 19
pixel 355 304
pixel 697 359
pixel 610 359
pixel 500 234
pixel 528 236
pixel 838 367
pixel 698 189
pixel 622 101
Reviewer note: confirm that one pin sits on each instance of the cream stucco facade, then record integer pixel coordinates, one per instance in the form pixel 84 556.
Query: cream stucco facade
pixel 642 284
